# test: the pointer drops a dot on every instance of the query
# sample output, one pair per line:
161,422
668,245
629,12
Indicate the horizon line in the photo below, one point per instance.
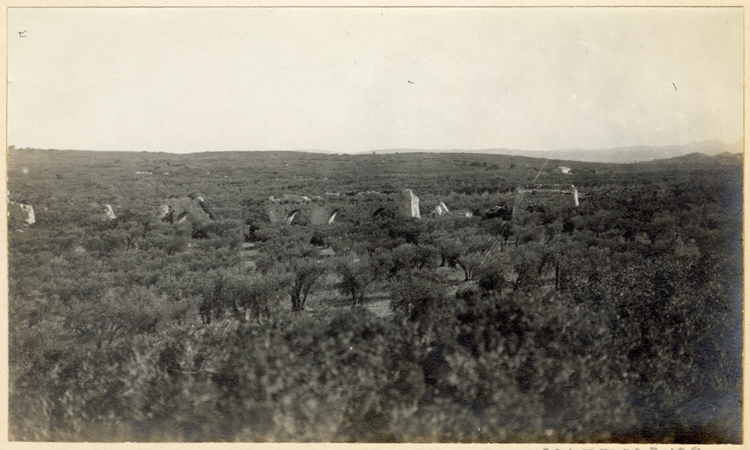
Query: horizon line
740,141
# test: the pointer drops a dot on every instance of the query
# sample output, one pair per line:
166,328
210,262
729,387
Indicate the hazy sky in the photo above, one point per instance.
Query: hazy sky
348,80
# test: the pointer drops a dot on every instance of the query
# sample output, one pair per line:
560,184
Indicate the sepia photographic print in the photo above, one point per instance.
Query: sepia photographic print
375,225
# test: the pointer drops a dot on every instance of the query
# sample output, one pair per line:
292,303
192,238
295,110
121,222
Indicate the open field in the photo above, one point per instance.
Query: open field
619,320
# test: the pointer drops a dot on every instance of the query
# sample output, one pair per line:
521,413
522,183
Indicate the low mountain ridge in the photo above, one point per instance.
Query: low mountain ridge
725,158
622,155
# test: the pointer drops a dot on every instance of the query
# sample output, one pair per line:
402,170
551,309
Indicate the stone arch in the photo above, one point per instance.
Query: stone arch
332,216
291,215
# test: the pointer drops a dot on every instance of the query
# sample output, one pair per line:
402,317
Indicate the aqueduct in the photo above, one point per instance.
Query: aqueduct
369,205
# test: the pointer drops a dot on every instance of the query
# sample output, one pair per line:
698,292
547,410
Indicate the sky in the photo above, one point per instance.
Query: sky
359,79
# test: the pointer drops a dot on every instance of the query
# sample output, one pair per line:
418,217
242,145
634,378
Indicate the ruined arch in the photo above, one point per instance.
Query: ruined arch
291,215
332,216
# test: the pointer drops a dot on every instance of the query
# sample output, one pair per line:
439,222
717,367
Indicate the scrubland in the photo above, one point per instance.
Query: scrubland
616,321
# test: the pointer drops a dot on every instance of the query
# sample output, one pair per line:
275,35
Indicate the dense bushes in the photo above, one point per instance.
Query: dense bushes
617,321
356,378
295,378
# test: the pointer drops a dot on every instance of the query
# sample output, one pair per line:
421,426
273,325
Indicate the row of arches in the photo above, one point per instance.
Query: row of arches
329,217
316,218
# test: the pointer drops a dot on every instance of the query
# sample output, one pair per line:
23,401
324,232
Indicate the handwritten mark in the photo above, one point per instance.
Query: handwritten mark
21,33
410,82
675,86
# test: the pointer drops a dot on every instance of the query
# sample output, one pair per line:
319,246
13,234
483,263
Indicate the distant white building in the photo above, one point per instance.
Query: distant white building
562,169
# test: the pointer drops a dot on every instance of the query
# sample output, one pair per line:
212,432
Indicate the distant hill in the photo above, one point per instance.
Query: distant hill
725,158
695,152
631,154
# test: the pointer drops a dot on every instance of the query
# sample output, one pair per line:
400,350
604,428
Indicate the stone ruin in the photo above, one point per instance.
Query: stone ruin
359,206
109,212
535,197
440,210
177,210
21,212
290,207
102,213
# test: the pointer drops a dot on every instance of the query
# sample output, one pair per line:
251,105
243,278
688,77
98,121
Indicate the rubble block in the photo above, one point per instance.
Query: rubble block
440,210
102,213
109,212
21,212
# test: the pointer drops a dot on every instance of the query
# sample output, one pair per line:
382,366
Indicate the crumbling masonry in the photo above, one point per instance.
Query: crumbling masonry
178,210
535,197
369,205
